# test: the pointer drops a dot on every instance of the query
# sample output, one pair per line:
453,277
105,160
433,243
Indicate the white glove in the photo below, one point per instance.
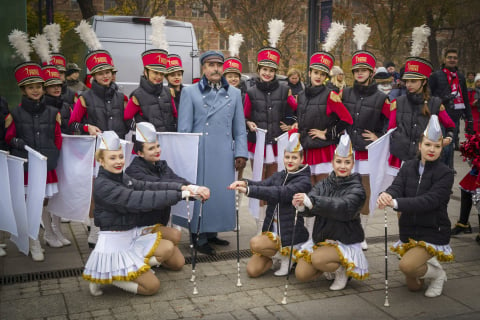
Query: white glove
306,202
186,194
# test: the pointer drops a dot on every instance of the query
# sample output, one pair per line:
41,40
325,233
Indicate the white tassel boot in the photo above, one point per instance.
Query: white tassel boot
309,223
95,289
56,227
364,222
49,236
341,279
276,261
36,250
128,286
261,218
437,277
93,235
284,270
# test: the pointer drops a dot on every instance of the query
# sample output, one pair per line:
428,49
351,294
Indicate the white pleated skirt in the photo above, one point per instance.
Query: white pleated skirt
120,255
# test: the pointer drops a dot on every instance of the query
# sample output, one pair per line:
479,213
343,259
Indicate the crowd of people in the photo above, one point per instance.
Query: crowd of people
313,213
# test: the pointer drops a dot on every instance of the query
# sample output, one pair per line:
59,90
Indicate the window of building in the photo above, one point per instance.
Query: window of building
223,11
197,9
223,43
171,8
109,4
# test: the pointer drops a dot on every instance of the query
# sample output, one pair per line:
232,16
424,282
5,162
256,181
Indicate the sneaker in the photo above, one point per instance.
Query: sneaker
460,227
341,279
36,250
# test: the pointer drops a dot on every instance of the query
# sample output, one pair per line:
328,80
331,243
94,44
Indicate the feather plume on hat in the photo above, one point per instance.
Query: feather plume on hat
419,39
19,41
275,28
361,33
335,31
42,47
158,37
88,36
52,32
234,43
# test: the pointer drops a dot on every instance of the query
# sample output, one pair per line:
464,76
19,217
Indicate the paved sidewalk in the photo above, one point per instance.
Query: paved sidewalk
219,298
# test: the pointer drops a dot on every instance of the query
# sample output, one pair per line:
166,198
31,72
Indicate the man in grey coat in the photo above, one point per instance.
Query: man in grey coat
214,108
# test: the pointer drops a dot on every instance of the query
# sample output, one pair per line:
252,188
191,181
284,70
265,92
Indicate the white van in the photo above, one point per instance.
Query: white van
126,37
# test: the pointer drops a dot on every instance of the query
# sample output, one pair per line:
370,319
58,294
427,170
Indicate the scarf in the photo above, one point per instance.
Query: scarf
455,88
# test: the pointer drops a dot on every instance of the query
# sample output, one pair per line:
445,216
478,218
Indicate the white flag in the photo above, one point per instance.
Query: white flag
17,191
7,216
258,158
282,142
380,179
74,172
180,150
37,182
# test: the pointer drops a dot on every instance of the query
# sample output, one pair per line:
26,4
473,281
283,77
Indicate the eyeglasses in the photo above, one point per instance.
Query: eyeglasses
452,57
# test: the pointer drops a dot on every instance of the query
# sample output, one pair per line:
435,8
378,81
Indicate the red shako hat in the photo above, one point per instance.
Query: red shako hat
416,67
174,63
51,76
233,63
270,56
155,59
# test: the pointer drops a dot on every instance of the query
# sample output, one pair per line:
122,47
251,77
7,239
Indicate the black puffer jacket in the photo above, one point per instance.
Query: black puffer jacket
365,104
64,110
278,191
119,199
336,206
269,104
423,200
159,172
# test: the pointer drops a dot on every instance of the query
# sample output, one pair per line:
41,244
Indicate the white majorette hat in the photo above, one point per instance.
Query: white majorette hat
109,141
156,59
433,132
344,148
145,132
294,144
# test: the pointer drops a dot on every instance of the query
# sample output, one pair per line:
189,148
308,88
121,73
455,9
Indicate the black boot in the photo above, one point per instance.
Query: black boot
465,208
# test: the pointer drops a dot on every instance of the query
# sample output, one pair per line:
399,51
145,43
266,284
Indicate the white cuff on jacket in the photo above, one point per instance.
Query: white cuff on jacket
307,202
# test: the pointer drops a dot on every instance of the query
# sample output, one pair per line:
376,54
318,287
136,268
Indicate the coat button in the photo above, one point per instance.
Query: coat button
206,124
226,97
206,133
111,118
204,105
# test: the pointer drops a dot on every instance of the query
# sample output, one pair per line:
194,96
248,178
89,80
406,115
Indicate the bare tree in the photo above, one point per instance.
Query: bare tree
144,8
87,8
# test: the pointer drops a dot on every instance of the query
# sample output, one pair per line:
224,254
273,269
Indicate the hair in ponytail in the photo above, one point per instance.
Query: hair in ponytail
426,98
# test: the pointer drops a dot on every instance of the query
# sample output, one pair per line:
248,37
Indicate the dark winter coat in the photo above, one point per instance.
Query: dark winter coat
119,199
336,206
440,87
155,101
278,190
312,114
63,108
105,108
269,104
3,114
423,200
411,124
159,172
365,104
68,95
35,124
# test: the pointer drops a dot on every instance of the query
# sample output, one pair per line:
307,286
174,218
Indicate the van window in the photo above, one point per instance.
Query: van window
117,30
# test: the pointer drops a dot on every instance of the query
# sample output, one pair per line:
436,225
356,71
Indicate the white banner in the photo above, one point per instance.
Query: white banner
282,142
7,216
380,179
180,150
37,182
17,191
74,172
258,158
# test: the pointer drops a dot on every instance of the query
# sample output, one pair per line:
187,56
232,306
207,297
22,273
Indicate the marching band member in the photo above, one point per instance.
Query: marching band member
420,193
147,166
277,231
265,105
152,101
34,123
369,109
335,202
124,252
